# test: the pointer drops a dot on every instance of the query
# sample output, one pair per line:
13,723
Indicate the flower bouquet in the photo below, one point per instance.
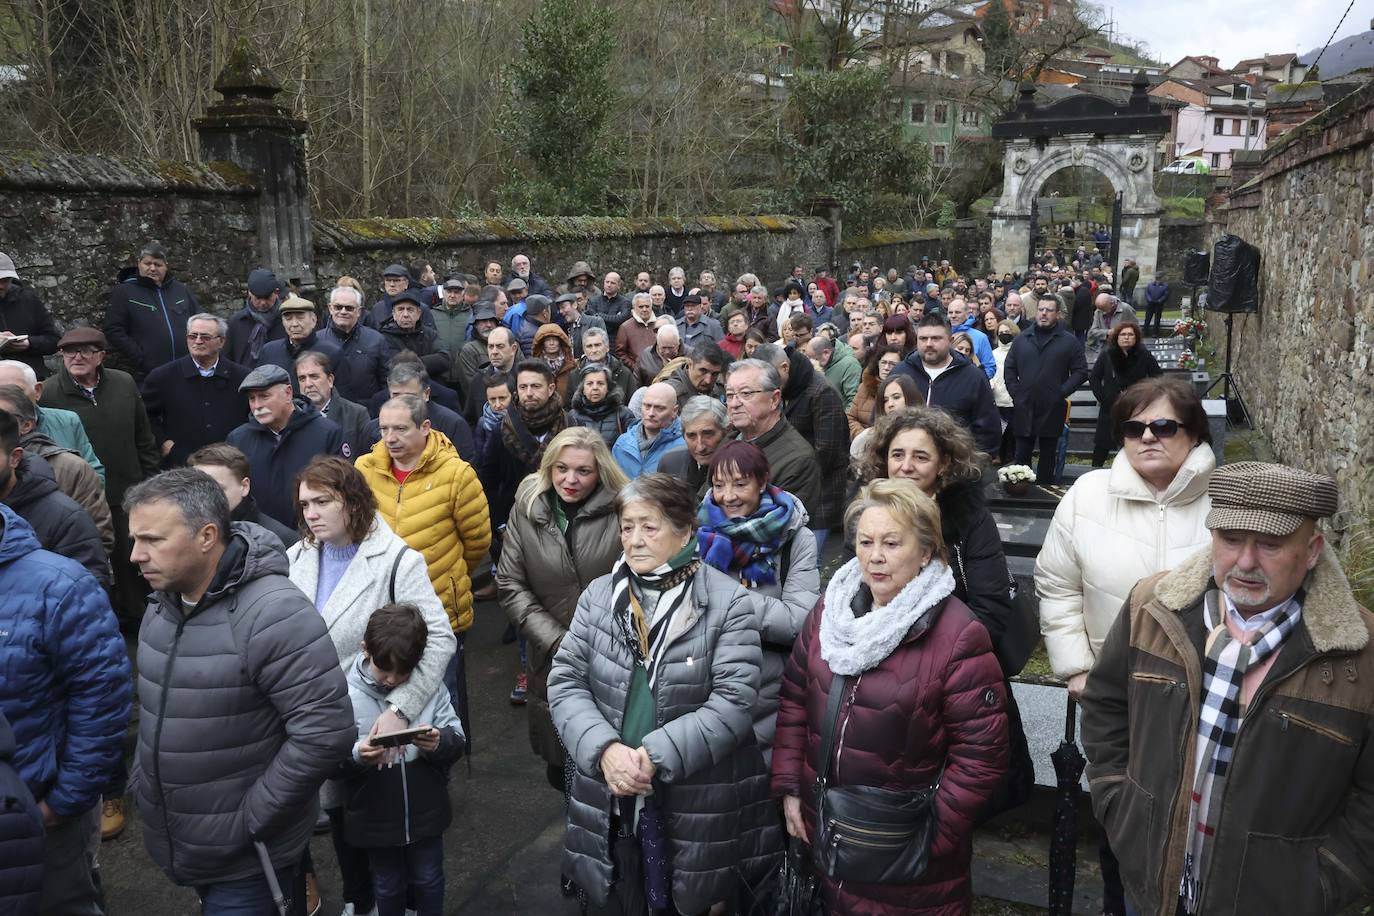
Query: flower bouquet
1189,360
1015,479
1193,328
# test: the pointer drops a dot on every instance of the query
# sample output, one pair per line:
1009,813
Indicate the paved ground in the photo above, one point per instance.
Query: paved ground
501,855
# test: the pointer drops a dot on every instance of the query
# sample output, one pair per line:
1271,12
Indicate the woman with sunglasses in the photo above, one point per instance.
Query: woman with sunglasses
1116,526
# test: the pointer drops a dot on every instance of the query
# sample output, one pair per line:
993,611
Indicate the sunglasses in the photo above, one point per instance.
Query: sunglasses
1162,429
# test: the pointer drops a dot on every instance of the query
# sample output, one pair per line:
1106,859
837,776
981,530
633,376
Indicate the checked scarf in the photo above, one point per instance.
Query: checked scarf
1218,722
750,545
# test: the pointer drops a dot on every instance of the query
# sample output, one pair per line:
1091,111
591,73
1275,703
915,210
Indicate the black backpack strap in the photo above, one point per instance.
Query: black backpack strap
838,683
395,566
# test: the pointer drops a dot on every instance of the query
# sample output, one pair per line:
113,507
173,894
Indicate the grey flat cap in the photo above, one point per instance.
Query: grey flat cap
265,377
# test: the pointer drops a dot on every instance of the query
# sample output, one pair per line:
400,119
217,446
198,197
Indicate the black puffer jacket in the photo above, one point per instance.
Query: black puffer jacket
361,367
245,712
608,418
976,558
60,523
21,835
274,461
22,312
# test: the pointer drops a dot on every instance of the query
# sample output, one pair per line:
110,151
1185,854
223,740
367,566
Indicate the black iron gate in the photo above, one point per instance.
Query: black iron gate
1116,239
1031,260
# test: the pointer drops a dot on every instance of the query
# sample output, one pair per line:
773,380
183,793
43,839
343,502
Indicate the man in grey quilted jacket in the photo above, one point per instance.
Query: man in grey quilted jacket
245,707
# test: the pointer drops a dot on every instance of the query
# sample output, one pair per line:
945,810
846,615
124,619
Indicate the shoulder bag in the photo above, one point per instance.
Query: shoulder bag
866,833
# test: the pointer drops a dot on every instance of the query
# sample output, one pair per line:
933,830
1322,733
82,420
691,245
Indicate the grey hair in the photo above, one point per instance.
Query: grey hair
748,280
221,326
771,353
595,332
634,300
413,404
759,290
30,377
703,406
197,497
824,343
768,373
593,369
404,372
18,399
357,296
668,332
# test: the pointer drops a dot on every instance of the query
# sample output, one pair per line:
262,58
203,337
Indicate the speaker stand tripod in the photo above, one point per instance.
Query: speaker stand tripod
1236,411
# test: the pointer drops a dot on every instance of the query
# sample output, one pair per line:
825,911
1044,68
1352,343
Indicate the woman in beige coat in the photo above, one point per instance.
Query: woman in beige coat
562,534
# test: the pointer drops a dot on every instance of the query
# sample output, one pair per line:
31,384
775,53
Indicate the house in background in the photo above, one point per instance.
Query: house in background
1277,68
1218,116
943,94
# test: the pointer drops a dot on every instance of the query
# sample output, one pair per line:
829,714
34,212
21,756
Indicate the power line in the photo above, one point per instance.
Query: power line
1313,66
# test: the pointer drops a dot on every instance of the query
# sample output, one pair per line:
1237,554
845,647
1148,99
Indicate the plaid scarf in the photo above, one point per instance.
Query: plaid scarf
1219,720
751,545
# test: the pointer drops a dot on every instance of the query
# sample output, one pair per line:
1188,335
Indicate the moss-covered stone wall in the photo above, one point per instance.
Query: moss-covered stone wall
72,222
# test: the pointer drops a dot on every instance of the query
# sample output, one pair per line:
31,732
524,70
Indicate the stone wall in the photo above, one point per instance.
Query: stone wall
1177,235
768,245
1303,362
72,222
967,251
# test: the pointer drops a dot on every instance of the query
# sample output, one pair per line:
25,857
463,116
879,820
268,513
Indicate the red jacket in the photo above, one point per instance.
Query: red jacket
937,699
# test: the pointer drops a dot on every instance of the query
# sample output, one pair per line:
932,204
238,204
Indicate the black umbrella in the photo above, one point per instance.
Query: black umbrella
1068,770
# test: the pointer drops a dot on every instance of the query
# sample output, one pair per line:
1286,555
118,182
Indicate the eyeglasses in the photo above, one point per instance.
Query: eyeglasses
336,307
81,351
1162,429
199,336
746,394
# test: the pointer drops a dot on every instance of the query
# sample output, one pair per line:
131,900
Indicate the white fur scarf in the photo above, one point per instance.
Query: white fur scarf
852,645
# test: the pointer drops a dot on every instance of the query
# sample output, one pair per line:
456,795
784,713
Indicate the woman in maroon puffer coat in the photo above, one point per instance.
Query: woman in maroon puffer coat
926,691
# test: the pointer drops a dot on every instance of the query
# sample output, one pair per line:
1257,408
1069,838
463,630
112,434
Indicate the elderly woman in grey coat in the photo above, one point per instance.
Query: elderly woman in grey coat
652,691
350,563
756,533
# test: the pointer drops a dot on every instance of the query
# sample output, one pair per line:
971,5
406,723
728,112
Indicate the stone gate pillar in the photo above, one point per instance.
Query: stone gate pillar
250,129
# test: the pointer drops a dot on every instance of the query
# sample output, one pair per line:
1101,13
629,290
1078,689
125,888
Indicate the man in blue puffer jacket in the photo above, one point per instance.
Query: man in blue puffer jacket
21,835
65,686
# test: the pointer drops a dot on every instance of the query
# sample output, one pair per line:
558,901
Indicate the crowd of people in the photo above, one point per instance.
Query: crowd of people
290,507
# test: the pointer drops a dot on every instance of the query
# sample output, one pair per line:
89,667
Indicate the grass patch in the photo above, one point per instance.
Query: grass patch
1357,556
1191,207
1038,665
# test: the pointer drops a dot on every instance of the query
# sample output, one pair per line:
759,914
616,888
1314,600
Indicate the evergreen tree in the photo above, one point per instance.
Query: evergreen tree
558,115
998,39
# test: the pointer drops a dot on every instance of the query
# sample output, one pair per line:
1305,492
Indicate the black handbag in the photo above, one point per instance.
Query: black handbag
866,833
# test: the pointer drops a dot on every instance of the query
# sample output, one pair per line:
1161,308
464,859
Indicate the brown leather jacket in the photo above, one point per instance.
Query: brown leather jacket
1297,829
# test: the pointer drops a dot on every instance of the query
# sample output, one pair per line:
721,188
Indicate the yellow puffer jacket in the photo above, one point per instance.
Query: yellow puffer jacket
440,511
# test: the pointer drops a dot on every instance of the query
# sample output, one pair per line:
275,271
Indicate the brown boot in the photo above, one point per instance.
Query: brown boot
111,818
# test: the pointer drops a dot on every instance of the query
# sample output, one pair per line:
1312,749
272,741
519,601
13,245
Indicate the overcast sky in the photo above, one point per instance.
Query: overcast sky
1233,30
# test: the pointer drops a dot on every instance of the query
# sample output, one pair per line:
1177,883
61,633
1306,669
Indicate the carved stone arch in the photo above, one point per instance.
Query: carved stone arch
1119,141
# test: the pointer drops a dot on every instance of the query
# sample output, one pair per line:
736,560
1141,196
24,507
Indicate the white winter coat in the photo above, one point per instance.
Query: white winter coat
1110,531
365,587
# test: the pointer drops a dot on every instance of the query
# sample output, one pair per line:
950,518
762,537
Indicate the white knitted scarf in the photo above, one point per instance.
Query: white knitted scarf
851,645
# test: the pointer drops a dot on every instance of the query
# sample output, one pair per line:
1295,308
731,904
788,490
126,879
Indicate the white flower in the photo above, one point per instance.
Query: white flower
1015,473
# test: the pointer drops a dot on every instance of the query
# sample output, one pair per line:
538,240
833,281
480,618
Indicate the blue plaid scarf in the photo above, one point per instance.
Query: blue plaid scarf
747,547
1223,670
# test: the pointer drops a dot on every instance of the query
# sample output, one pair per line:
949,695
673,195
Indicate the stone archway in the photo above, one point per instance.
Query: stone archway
1116,141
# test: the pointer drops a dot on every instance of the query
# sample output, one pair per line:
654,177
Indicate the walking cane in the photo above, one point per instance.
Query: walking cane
270,874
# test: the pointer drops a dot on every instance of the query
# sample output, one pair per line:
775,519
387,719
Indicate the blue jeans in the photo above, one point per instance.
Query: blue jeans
251,896
419,865
821,534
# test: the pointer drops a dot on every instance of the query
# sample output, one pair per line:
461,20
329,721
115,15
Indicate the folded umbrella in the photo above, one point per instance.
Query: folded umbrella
1068,770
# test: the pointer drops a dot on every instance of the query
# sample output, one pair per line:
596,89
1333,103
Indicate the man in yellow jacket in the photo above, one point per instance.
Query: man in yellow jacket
433,501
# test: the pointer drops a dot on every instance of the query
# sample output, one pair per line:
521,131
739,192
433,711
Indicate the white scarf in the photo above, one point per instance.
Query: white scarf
850,645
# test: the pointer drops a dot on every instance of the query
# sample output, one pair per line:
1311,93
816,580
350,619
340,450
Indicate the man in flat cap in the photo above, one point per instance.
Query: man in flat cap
283,434
115,419
1228,718
258,322
396,279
